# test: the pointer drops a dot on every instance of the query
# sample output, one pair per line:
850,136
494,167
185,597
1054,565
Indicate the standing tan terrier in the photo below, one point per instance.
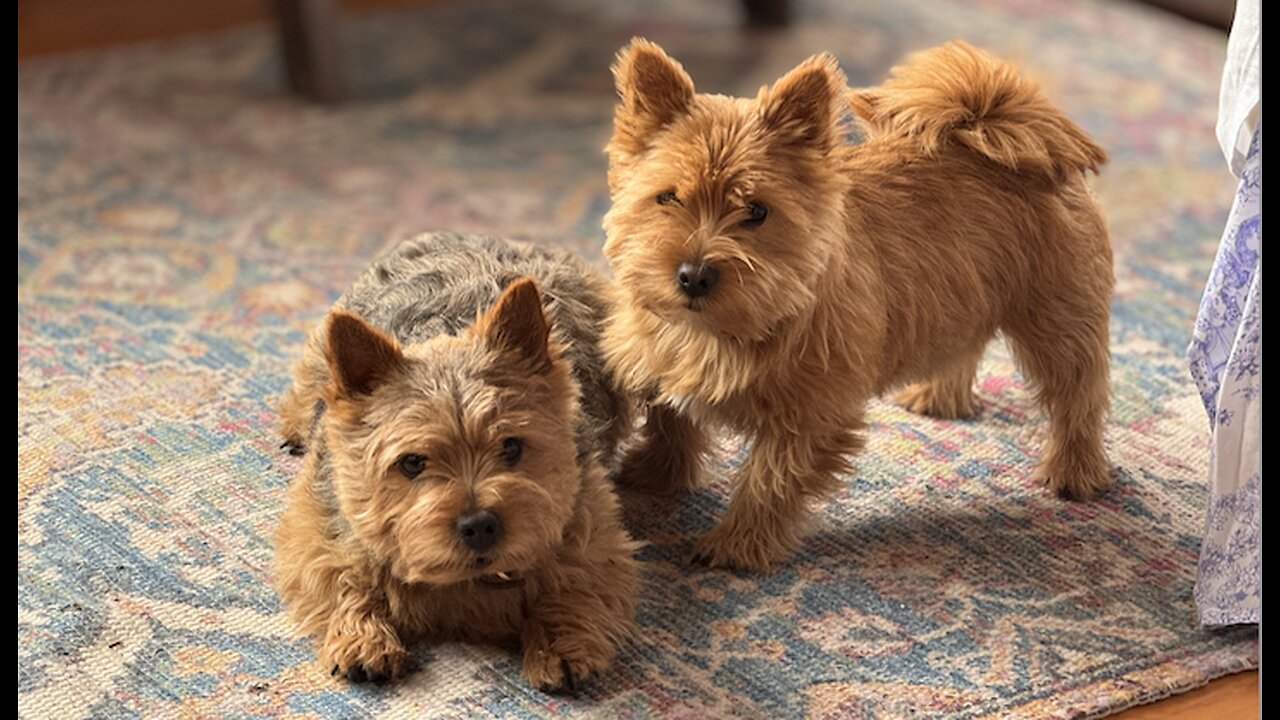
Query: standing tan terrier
774,278
453,485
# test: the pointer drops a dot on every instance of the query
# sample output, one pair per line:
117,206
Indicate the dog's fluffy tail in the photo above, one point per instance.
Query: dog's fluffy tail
958,94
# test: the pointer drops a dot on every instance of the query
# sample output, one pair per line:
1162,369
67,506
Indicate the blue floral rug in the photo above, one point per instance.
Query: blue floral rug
182,223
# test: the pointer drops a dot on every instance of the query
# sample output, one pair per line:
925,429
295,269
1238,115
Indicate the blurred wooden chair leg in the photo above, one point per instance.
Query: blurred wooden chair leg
767,13
312,57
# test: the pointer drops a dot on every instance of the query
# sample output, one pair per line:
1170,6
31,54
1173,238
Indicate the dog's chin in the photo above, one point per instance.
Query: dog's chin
690,313
488,569
452,576
464,570
715,318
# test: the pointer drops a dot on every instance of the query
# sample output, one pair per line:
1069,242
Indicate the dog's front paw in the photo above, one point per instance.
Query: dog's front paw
367,651
552,673
562,662
729,546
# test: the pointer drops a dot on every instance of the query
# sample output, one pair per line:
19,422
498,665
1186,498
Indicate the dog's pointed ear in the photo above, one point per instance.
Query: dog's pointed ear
653,90
516,325
804,106
360,356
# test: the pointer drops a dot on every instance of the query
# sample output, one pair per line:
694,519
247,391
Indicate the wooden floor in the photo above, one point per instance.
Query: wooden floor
1234,697
55,26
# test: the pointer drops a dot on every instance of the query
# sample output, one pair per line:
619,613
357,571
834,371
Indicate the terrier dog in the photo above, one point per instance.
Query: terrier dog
774,277
454,481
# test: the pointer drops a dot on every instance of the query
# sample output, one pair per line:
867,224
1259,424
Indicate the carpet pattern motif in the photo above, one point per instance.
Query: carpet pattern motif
182,223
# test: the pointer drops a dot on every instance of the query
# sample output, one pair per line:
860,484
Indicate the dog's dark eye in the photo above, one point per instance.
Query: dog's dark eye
756,213
666,197
411,466
512,449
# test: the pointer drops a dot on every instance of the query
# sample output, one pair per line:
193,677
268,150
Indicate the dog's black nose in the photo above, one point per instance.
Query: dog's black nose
479,530
696,279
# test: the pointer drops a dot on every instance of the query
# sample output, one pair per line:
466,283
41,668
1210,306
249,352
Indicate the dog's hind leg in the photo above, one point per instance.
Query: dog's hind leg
1061,343
947,395
297,408
666,457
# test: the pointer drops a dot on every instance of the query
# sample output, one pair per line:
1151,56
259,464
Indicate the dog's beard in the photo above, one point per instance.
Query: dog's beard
455,564
733,316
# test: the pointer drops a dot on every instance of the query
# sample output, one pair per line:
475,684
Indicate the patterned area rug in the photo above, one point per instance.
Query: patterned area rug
182,223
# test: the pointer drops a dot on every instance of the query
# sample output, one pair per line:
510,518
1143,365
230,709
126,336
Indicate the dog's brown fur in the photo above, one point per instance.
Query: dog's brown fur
369,558
882,265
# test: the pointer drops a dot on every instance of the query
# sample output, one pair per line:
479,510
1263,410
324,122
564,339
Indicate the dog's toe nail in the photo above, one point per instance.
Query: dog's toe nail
357,674
570,682
334,671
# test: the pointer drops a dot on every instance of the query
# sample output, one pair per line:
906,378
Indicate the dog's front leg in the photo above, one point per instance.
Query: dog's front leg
568,638
361,643
784,470
583,612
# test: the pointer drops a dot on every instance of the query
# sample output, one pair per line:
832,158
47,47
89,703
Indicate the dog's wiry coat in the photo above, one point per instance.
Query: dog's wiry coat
418,412
888,264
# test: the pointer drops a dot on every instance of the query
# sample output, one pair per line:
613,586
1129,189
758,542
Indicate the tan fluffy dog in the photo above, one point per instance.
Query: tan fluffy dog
453,484
774,278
